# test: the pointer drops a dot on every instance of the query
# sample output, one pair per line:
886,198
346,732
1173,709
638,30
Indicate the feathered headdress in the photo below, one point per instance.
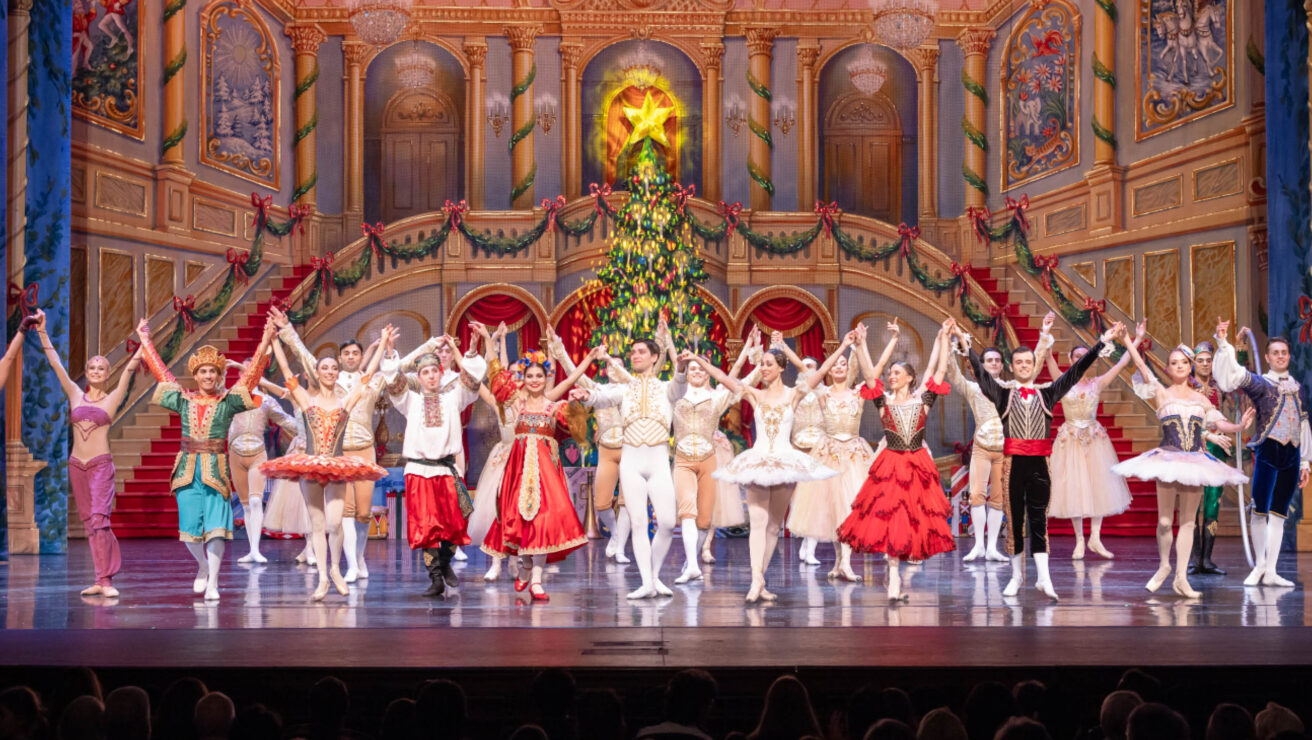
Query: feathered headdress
206,355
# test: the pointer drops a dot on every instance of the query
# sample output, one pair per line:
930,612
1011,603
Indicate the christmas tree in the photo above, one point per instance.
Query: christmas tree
652,268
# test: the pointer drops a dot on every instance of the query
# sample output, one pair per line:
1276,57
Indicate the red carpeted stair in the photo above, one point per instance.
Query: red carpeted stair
1141,519
145,507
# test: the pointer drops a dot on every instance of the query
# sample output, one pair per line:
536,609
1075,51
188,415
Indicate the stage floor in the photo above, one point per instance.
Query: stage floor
158,621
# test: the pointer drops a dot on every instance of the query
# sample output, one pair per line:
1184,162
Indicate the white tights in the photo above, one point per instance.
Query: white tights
766,508
645,476
326,504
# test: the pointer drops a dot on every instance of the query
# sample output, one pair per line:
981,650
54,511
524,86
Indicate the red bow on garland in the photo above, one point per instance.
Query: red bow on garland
25,298
963,450
262,206
186,307
1304,313
907,234
456,211
1147,343
999,314
598,195
374,234
238,261
681,196
299,214
552,207
1046,265
980,219
325,269
1017,207
960,273
828,213
730,213
1096,310
282,304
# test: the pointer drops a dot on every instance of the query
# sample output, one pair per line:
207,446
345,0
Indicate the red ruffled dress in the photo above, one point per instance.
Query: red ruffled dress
535,513
322,461
901,509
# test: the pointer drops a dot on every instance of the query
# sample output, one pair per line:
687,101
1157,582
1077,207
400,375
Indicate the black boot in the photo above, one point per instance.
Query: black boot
1207,567
444,555
1196,556
432,562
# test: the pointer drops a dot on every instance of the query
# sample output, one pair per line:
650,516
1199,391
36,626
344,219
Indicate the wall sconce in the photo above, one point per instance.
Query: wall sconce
498,112
785,114
545,109
735,114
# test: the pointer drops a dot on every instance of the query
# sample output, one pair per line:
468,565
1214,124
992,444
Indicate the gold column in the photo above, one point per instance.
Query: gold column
305,45
175,105
760,50
476,52
523,166
1104,92
355,53
713,58
974,43
808,145
21,470
926,60
571,112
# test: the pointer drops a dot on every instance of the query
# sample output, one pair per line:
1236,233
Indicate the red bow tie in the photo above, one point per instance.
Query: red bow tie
1026,392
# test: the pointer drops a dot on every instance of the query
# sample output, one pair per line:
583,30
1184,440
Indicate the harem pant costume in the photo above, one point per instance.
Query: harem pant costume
92,482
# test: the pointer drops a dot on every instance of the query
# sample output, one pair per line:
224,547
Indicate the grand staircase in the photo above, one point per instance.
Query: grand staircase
150,438
1129,423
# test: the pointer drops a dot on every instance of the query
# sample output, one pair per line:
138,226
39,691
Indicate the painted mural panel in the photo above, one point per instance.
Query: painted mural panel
107,64
1041,94
239,112
1184,62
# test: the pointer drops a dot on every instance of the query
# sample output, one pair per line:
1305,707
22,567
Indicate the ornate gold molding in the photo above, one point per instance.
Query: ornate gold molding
976,41
924,59
713,54
522,37
355,53
571,54
306,38
761,41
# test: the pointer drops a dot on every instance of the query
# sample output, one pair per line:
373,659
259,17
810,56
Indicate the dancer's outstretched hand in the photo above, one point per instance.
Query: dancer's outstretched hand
279,317
579,394
776,340
143,330
894,329
1222,328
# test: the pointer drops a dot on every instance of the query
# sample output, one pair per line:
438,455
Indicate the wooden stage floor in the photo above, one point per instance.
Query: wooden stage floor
956,617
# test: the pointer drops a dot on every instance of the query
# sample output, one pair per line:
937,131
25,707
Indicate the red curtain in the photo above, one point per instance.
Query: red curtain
795,320
494,309
576,325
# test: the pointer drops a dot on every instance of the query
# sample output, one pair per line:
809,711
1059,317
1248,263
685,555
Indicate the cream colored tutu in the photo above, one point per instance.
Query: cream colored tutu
1083,484
485,496
820,506
730,510
285,511
758,467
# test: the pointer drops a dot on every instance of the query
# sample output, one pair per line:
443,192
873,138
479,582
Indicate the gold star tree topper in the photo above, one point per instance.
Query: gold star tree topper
648,121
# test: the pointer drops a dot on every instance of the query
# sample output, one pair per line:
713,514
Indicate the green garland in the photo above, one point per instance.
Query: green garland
173,8
974,87
760,131
1108,7
1102,132
1255,57
306,186
760,88
174,138
523,87
759,178
522,133
974,180
305,84
1101,71
974,134
523,185
174,65
305,130
763,133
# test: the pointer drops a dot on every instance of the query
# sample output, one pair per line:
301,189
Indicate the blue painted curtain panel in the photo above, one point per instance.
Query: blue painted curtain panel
239,105
107,64
1040,85
46,275
1184,64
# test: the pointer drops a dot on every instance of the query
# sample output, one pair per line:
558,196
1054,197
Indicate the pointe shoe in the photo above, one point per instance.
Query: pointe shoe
338,582
109,592
520,585
1045,588
1270,578
494,571
311,561
754,593
1078,553
707,557
95,590
320,592
768,595
643,592
460,555
995,556
610,548
1097,548
538,593
1181,586
975,553
1158,578
352,575
689,574
834,574
300,558
810,559
662,589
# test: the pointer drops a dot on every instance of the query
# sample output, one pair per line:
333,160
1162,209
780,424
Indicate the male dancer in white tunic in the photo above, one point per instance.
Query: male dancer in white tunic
647,403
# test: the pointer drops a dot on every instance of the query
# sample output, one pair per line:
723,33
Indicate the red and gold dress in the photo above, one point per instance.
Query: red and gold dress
535,514
322,461
901,509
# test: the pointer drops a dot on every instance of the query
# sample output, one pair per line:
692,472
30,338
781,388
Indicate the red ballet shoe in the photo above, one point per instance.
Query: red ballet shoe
539,593
520,585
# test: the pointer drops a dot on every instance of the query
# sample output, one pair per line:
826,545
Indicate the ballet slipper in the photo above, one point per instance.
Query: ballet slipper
847,574
493,571
754,593
300,557
1181,586
621,558
835,573
460,555
975,553
1017,576
339,582
646,591
995,556
1078,552
690,573
320,591
1097,548
1159,578
198,585
662,589
109,592
95,590
1044,581
768,595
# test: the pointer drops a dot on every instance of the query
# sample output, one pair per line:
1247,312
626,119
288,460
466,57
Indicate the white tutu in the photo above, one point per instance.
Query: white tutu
730,510
1184,468
819,507
485,496
757,467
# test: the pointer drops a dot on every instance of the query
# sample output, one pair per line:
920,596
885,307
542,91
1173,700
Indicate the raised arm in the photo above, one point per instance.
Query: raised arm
1132,352
941,355
1106,378
811,380
358,391
874,372
298,394
292,342
1063,384
52,356
777,342
1226,370
124,380
558,391
988,385
152,359
728,381
1042,353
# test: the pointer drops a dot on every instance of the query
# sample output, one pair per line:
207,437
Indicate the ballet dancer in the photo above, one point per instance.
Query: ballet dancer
647,406
200,475
820,506
772,467
1210,510
536,520
436,500
1026,413
808,427
1082,457
607,496
323,470
91,465
1181,466
494,466
985,473
246,452
900,510
1282,449
696,419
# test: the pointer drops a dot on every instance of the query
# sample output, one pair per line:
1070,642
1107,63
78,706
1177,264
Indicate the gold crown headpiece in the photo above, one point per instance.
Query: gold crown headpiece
206,355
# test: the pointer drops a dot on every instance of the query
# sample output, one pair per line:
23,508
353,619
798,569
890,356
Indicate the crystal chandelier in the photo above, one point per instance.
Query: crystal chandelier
415,69
378,22
867,73
903,24
641,68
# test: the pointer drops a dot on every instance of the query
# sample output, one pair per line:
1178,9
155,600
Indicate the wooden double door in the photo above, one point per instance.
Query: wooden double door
863,157
422,154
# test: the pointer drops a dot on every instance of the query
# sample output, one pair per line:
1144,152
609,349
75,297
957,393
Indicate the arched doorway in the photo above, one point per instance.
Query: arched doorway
420,166
863,156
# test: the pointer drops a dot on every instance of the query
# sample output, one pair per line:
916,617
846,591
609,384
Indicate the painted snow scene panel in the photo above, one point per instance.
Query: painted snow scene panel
240,74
